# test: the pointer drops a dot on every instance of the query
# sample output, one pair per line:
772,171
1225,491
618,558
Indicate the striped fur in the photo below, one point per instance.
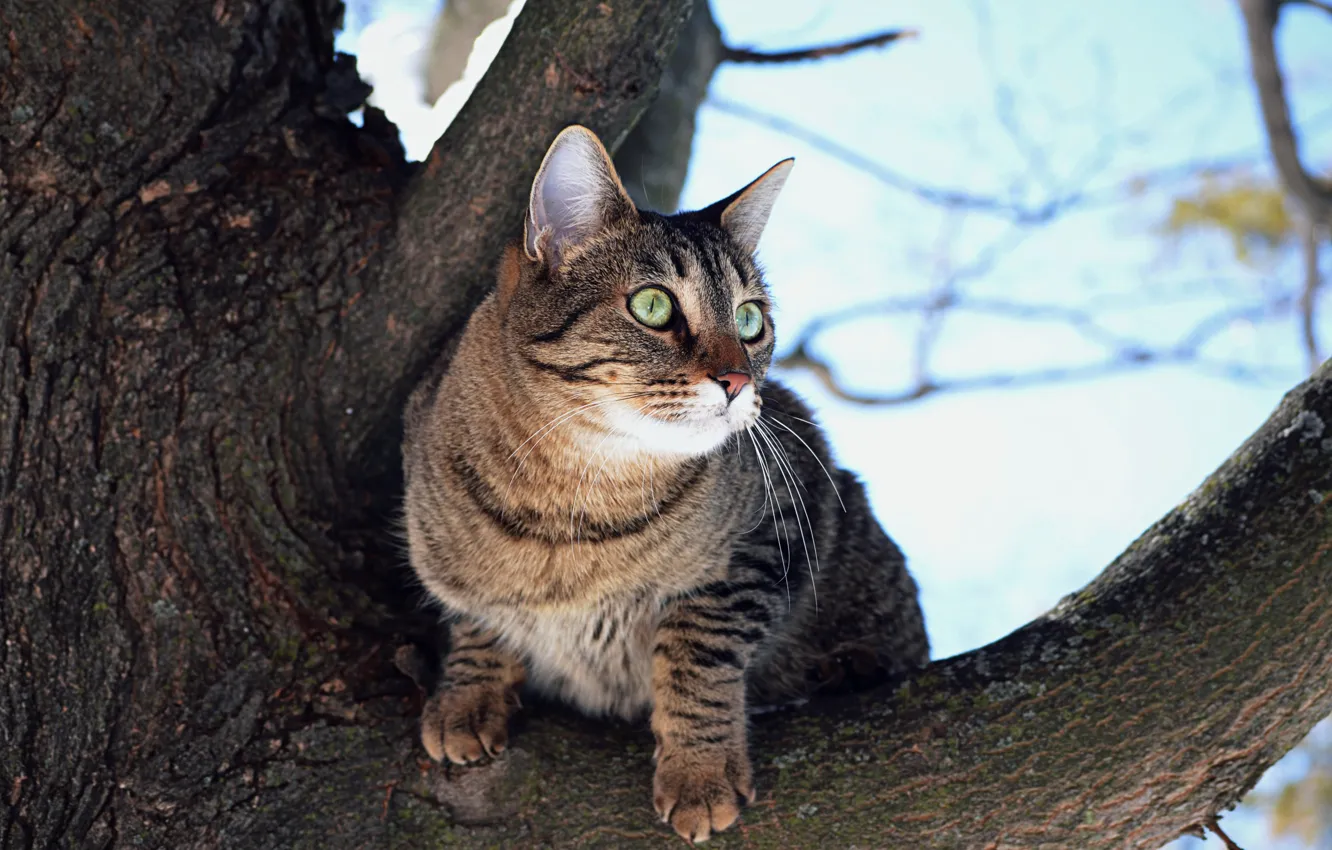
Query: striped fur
605,523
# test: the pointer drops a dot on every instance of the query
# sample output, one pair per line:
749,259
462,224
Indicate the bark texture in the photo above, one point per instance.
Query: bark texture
214,295
213,290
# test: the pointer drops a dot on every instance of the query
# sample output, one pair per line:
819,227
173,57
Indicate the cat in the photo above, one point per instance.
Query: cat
616,506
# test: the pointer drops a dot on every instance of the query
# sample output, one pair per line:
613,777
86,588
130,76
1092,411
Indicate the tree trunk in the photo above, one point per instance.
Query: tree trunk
215,294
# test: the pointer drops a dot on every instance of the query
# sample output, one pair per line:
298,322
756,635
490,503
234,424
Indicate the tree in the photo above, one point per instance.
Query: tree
215,294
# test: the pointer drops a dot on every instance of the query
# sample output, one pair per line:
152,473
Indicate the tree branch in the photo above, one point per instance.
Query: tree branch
1220,833
1313,197
747,56
939,196
1317,4
1134,711
1309,294
924,386
1124,354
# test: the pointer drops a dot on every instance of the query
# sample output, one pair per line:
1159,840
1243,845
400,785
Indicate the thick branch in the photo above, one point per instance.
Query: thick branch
746,56
1314,198
1136,710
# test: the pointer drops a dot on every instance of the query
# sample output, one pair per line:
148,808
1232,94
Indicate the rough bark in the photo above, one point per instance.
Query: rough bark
198,333
214,294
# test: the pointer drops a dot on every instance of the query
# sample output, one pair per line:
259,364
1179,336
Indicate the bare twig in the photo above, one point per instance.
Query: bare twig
1313,197
1123,354
1217,831
950,198
1309,294
823,372
1002,208
747,56
1005,100
1317,4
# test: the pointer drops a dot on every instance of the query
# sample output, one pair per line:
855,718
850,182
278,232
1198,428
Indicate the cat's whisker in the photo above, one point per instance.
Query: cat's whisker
793,486
763,508
812,454
652,486
591,487
554,425
775,409
770,494
574,503
779,451
569,414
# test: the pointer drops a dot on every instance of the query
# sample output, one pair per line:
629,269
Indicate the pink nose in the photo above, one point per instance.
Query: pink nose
732,383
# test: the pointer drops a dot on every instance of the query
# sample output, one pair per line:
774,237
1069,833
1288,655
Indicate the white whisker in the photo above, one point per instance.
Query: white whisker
793,487
550,428
573,505
813,455
770,494
605,459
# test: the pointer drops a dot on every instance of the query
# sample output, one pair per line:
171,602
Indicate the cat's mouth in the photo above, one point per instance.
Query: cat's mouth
691,426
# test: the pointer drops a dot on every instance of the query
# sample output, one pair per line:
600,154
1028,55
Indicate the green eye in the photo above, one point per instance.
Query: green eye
749,320
652,307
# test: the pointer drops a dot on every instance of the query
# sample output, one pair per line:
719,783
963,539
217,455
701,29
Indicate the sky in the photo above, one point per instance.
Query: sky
1003,500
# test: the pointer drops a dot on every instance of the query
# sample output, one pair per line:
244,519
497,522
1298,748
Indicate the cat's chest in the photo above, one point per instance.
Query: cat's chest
599,658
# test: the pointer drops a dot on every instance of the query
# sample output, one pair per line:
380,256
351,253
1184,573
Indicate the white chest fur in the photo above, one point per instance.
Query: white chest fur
598,659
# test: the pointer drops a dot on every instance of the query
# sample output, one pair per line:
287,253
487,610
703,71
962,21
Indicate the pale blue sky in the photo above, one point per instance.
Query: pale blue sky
1003,500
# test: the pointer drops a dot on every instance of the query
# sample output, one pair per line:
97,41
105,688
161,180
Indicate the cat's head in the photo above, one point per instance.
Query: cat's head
660,325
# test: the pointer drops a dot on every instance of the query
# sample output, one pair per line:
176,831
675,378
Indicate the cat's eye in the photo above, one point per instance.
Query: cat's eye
652,307
749,321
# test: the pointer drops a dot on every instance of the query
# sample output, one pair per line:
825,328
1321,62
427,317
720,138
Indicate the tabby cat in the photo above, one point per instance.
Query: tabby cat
616,506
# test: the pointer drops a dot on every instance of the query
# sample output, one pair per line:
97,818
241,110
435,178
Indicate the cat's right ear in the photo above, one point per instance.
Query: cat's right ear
576,194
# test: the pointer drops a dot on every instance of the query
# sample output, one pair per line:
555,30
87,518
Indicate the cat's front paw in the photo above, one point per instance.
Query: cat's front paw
465,722
698,790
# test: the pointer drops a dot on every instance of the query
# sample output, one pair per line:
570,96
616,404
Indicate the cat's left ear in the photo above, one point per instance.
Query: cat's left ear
575,196
745,214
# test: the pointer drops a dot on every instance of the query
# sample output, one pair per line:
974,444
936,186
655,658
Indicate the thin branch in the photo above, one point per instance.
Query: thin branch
950,198
802,359
746,56
988,205
1131,361
1313,197
1219,833
1317,4
1309,294
1005,100
1123,354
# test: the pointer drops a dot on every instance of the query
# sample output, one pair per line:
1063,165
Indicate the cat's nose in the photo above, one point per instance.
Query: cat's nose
732,383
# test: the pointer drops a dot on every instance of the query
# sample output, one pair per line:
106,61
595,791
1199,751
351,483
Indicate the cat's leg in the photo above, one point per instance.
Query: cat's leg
468,716
698,715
